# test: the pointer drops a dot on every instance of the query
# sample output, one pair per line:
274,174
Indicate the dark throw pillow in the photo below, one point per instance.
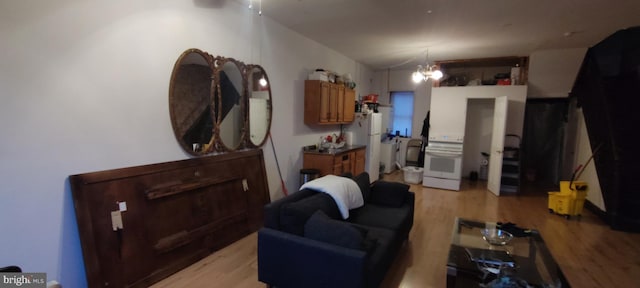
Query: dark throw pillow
389,193
294,215
363,182
322,228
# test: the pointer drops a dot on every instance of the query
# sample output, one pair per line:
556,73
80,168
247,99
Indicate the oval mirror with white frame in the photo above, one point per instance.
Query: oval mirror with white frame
190,105
259,93
230,104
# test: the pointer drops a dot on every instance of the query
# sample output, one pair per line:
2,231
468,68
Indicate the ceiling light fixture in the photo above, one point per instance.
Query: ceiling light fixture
263,81
259,8
424,73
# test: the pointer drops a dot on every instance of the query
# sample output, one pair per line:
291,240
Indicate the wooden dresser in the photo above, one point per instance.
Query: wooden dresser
346,159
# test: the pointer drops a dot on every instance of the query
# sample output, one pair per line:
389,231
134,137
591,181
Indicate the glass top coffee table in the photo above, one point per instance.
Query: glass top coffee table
523,260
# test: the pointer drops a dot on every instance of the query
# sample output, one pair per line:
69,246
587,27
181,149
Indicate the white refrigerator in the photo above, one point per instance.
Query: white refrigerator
387,117
365,130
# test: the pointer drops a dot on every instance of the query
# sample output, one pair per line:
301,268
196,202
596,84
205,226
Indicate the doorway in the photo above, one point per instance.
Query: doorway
477,136
543,142
496,134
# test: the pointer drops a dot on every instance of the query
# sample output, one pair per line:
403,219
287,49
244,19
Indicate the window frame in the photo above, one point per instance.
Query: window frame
401,109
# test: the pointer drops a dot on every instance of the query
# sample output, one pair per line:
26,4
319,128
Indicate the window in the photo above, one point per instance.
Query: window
402,112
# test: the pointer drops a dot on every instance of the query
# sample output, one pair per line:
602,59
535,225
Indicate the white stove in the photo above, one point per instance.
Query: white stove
443,162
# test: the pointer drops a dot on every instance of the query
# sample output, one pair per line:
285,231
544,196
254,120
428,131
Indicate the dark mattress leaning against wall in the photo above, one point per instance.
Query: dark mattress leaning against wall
607,88
140,224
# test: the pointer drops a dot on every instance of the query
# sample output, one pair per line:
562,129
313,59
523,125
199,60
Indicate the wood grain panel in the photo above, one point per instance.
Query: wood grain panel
177,213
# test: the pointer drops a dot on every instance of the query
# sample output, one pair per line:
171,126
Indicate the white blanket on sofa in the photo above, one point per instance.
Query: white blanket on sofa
343,190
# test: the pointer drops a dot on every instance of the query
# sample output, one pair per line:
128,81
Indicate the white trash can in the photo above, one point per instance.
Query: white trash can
412,174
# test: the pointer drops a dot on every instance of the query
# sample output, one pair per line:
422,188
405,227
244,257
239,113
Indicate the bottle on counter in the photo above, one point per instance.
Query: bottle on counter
515,75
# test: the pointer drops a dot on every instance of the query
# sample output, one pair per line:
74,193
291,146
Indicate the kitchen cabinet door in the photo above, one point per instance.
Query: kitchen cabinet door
346,162
325,103
337,166
317,102
359,161
349,105
333,103
322,162
328,103
340,104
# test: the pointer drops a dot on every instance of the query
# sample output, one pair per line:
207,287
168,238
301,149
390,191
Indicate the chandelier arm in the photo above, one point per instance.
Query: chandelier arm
426,72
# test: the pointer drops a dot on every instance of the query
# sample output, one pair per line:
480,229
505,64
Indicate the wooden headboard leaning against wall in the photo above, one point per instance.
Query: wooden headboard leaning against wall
139,225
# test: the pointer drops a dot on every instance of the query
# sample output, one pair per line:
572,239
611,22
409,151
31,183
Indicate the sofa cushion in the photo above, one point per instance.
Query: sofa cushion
363,182
294,215
397,219
380,258
369,243
389,193
272,210
322,228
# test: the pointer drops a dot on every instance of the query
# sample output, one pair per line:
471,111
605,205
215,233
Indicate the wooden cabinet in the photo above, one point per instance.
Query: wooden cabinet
322,95
349,105
341,163
348,160
328,103
340,103
359,160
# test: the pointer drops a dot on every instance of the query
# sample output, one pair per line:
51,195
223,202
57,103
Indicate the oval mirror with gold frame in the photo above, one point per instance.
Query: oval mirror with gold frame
229,98
218,104
190,103
260,109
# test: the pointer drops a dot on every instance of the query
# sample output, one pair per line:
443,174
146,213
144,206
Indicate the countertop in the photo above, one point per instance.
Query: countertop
337,151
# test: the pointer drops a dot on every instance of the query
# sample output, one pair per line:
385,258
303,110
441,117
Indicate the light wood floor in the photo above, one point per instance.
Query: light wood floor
589,253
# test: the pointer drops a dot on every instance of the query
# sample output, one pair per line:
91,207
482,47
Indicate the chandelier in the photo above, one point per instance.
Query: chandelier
424,73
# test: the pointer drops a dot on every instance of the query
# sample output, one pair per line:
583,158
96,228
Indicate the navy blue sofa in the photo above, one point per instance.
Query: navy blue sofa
306,243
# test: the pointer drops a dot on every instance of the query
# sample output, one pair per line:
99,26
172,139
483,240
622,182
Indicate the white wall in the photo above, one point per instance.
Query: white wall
478,131
453,100
84,87
583,152
387,81
552,72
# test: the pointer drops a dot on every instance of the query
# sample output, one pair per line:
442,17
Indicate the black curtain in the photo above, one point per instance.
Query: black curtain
425,138
608,90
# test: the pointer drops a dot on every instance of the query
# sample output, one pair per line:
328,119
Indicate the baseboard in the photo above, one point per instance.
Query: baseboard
596,210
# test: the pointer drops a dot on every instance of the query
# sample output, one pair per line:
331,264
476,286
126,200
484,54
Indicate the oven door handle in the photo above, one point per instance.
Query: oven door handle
445,154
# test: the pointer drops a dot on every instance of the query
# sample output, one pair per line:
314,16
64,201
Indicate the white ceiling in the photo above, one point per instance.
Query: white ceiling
386,34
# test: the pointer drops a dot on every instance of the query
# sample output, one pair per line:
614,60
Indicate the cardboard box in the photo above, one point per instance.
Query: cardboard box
319,75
